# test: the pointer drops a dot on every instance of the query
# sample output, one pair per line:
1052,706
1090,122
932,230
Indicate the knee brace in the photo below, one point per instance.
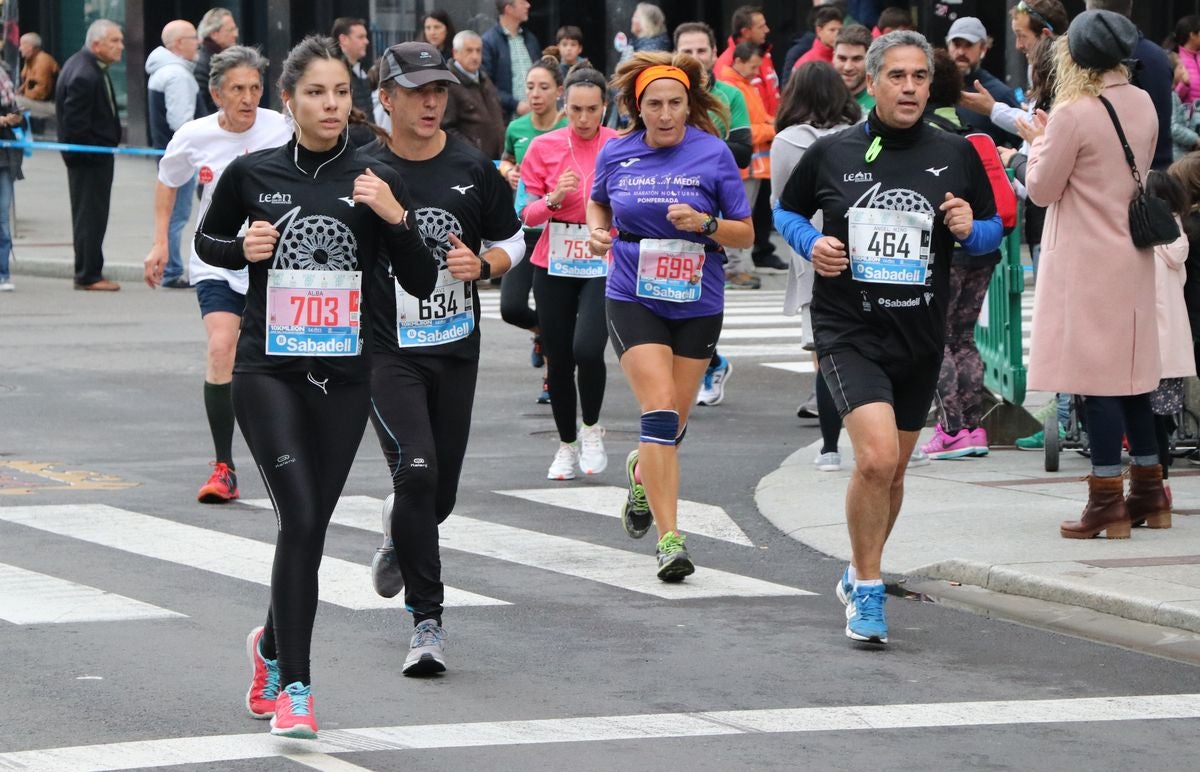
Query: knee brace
660,427
682,434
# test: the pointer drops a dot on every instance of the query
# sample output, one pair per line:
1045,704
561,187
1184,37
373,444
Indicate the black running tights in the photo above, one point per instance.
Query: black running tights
827,415
303,433
421,410
571,316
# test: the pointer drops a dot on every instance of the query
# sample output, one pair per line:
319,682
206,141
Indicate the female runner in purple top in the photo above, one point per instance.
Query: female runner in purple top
673,194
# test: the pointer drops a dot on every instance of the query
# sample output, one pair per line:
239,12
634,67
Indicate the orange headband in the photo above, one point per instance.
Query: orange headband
655,72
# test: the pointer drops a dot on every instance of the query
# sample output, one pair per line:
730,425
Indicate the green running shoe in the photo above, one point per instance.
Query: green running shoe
674,563
1037,440
635,515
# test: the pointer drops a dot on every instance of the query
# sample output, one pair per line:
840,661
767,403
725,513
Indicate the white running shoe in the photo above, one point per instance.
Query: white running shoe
592,458
828,462
712,388
563,466
918,458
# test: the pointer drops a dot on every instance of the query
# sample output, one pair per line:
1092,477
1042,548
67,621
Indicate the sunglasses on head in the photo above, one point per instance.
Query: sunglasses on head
1023,7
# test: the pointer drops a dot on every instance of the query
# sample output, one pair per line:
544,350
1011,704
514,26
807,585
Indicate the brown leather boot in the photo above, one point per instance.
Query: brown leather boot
1105,511
1147,502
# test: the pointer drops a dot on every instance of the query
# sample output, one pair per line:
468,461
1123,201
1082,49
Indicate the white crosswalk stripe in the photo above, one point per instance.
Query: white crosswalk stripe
30,597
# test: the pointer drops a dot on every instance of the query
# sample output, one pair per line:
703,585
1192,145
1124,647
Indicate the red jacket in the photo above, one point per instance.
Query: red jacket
767,81
818,53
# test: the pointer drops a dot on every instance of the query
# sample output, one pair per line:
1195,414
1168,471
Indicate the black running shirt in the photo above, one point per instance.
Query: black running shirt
321,228
882,314
457,191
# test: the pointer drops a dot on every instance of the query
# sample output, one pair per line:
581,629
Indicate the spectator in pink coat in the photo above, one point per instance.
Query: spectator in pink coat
1095,329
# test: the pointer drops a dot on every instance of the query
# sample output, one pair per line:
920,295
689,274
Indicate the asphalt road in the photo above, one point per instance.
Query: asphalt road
558,661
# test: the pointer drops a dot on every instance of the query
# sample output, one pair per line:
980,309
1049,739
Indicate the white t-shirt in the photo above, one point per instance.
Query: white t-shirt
203,147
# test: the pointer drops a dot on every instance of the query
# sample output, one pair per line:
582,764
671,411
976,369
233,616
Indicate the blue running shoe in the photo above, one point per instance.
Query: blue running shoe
712,389
844,587
864,615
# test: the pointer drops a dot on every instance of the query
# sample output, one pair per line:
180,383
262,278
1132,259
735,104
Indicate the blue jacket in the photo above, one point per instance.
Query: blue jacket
1154,76
497,63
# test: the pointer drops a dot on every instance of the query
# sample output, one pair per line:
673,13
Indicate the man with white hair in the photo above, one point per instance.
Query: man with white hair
174,99
473,111
217,31
86,111
36,92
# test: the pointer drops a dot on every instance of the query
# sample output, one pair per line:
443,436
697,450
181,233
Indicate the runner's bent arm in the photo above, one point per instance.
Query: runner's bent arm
599,222
987,231
216,241
535,174
412,264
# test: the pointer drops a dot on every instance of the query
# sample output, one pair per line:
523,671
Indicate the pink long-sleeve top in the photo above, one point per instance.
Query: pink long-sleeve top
548,156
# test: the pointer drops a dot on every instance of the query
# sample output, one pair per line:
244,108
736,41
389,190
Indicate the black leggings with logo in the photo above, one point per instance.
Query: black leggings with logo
303,431
421,410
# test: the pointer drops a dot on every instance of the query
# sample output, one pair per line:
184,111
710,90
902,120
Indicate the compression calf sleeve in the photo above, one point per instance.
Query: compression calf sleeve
218,404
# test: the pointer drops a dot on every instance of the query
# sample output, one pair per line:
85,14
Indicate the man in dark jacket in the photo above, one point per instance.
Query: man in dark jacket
967,42
509,50
351,36
217,31
86,110
1153,74
473,110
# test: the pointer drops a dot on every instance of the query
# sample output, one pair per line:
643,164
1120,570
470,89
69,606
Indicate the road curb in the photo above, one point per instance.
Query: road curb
63,269
1015,581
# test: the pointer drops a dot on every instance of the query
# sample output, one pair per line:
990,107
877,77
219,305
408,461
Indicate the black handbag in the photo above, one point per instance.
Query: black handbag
1151,221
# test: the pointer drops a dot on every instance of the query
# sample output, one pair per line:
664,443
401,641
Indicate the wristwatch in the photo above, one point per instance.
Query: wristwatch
485,270
710,225
552,207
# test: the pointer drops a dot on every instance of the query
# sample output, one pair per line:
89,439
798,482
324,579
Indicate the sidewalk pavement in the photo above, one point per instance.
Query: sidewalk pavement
993,522
42,243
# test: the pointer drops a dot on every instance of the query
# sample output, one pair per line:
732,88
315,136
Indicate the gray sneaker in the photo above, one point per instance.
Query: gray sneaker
385,568
427,650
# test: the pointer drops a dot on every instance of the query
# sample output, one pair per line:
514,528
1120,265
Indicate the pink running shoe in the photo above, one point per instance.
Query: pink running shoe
979,442
944,446
264,679
294,713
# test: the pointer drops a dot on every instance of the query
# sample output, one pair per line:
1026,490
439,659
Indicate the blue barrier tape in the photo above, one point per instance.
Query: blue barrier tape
29,147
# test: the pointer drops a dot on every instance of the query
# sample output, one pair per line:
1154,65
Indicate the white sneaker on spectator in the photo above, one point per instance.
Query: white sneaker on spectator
828,462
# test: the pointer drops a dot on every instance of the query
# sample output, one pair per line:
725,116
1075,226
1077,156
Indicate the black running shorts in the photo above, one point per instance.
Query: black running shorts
907,385
632,324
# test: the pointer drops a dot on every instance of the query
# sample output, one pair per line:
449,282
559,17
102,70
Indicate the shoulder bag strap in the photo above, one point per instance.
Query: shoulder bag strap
1137,177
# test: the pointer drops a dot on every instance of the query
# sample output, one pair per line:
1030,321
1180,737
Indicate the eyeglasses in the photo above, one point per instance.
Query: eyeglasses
1023,7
